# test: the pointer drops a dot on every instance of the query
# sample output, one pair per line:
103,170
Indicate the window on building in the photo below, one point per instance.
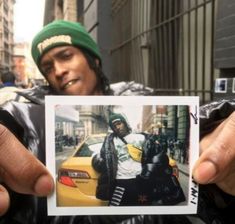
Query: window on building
6,7
6,35
7,58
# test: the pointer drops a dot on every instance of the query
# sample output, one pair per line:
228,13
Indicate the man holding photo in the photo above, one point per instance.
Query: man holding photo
70,61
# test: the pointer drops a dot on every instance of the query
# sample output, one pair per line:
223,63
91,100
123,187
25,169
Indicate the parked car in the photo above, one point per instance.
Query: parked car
77,180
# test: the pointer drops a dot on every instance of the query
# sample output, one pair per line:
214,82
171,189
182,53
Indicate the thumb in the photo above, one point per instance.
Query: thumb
217,153
20,169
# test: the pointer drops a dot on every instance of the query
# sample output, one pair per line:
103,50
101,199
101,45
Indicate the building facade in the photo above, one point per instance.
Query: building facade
172,121
96,17
167,45
176,47
74,123
26,71
6,34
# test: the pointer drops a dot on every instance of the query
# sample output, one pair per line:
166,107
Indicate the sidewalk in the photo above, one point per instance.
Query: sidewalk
183,168
67,150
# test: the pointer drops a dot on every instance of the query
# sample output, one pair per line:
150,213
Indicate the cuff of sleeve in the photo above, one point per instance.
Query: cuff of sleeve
212,114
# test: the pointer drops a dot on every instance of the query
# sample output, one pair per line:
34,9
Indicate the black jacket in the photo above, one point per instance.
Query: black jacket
214,205
156,172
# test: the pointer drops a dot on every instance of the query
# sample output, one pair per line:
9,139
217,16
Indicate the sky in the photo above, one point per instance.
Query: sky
28,19
133,115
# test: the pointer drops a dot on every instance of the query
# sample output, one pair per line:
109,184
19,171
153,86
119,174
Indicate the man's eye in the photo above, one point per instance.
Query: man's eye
66,55
46,70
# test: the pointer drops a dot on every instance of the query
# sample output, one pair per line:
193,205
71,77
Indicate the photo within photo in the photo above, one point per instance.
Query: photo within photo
220,85
109,153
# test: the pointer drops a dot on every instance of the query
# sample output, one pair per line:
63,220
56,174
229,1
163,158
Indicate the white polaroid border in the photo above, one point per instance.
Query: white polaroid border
233,86
190,207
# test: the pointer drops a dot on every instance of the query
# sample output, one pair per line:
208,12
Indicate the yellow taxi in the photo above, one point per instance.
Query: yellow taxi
77,180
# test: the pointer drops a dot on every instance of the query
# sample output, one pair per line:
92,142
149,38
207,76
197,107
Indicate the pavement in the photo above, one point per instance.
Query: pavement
183,168
66,149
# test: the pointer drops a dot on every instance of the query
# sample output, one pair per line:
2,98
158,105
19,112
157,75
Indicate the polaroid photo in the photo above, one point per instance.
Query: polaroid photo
122,155
221,85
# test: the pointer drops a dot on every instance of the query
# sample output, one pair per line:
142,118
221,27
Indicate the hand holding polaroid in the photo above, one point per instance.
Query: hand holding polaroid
108,153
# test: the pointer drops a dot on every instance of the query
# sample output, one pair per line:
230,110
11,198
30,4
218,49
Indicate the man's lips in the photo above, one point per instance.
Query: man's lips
70,83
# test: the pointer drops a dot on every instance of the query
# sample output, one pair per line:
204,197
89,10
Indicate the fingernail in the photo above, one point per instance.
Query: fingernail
2,189
5,201
44,185
206,172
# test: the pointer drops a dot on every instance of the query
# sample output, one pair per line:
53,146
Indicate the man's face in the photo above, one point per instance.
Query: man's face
67,71
120,128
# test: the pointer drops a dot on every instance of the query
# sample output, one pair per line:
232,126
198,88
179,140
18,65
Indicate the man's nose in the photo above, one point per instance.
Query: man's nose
118,126
60,69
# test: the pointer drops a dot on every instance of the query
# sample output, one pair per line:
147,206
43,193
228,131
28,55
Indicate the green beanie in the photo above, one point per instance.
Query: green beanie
60,33
117,117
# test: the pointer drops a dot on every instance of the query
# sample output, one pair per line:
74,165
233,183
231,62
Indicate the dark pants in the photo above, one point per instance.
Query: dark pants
127,192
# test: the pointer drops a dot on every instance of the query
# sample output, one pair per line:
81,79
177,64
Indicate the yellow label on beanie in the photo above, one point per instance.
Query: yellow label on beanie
53,40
